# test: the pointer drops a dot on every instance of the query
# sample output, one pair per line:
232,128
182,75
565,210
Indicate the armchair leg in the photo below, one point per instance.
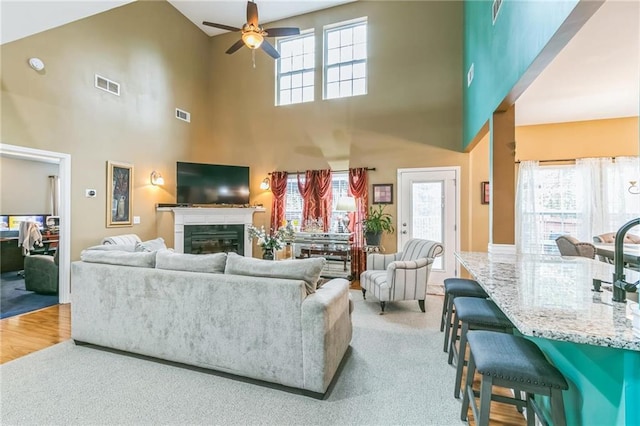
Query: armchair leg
364,294
421,304
382,304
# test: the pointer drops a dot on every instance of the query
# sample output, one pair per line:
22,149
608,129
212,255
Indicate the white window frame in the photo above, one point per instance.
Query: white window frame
325,52
279,74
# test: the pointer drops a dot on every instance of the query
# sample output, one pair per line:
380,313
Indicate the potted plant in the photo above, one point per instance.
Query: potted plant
376,222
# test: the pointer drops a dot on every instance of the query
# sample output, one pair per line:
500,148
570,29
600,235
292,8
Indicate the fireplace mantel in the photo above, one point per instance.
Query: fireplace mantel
185,216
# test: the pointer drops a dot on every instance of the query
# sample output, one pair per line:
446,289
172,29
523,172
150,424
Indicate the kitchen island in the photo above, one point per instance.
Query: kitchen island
586,335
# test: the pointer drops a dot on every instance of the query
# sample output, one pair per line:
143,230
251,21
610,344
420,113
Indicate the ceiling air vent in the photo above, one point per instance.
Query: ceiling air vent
495,9
107,85
183,115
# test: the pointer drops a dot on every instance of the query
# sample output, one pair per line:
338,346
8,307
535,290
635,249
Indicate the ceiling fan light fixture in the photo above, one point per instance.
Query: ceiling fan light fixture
252,39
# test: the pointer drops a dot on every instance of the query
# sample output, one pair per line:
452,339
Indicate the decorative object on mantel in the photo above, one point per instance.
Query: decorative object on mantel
268,242
119,194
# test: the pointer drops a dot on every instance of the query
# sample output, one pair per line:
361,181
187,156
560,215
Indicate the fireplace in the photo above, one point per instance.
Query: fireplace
209,230
204,239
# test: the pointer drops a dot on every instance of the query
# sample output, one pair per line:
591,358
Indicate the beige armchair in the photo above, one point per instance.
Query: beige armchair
571,246
402,275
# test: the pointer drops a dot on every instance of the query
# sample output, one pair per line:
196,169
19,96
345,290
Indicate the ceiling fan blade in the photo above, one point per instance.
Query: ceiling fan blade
252,13
237,45
271,51
220,26
281,32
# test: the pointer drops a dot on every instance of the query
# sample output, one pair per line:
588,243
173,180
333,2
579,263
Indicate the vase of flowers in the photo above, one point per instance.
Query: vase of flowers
268,242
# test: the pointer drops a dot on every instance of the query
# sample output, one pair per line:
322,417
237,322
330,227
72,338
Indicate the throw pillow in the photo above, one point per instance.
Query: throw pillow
210,263
151,245
118,257
307,270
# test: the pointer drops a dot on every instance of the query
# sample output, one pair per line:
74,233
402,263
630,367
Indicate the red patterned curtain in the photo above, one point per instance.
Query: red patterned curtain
316,196
306,189
324,196
359,189
279,190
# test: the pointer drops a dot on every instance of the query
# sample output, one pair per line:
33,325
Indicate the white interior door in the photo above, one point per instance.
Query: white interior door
428,209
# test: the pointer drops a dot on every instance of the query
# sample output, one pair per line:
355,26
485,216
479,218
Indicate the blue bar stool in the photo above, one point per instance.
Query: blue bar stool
454,287
473,313
511,362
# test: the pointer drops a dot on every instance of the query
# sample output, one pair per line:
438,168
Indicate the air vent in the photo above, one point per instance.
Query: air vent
495,9
107,85
183,115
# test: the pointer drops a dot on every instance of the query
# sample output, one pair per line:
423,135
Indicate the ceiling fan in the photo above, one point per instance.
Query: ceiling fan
253,34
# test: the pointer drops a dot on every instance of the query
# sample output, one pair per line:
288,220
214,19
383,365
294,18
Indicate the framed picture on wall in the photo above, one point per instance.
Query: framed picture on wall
484,192
119,194
383,193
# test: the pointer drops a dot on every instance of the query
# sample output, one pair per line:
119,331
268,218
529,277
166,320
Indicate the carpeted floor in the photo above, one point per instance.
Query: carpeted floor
396,374
15,299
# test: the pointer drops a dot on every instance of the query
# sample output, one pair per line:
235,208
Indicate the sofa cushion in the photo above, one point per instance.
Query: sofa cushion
307,270
211,263
151,245
119,257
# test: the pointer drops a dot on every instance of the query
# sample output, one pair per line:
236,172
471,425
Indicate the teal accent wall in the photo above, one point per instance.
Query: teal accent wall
604,383
501,53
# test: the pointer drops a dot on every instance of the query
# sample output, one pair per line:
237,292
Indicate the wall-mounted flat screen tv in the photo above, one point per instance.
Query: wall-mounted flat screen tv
212,184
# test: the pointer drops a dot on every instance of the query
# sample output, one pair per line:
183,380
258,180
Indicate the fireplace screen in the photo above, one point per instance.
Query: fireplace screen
203,239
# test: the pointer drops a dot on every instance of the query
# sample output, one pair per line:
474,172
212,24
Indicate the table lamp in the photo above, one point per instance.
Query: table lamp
345,204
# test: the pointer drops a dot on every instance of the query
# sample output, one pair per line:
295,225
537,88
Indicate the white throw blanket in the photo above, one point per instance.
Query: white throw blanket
29,236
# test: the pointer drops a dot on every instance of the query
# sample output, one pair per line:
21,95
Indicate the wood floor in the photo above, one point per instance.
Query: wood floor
31,332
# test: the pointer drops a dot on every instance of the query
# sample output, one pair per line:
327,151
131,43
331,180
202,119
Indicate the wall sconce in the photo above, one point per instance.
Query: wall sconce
156,178
633,187
265,185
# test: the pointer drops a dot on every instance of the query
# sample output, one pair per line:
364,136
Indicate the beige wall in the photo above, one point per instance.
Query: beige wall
579,139
25,186
411,116
161,61
478,212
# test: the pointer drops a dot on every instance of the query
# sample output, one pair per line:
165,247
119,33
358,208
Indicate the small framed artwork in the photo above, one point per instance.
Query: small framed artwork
484,192
119,194
383,193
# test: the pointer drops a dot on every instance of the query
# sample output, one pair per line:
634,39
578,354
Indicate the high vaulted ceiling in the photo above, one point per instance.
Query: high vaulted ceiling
595,76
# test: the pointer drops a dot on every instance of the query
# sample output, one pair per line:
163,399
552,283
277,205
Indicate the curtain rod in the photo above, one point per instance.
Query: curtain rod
549,161
373,169
563,159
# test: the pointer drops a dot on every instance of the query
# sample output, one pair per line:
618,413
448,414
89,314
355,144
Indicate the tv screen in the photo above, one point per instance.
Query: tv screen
212,184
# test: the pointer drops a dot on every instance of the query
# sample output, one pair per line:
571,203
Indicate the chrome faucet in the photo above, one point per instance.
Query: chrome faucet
620,286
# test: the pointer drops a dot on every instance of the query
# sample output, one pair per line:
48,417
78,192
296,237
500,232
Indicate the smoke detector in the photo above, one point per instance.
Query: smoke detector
36,64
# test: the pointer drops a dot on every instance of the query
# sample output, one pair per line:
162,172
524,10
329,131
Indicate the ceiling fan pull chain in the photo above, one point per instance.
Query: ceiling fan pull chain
253,57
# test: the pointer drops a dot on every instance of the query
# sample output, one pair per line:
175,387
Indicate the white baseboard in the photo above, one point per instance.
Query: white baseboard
502,248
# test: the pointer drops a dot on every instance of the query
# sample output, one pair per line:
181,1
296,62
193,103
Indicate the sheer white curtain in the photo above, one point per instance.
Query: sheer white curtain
590,196
584,200
529,230
619,205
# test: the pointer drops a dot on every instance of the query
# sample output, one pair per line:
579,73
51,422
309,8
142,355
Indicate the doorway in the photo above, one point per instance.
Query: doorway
428,200
64,162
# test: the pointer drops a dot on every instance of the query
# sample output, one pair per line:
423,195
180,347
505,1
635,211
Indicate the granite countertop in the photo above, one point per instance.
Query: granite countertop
551,297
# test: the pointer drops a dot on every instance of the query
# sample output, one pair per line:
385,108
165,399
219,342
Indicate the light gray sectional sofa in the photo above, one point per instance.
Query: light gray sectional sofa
250,317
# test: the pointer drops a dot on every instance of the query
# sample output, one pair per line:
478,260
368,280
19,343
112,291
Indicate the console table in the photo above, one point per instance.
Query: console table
333,246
